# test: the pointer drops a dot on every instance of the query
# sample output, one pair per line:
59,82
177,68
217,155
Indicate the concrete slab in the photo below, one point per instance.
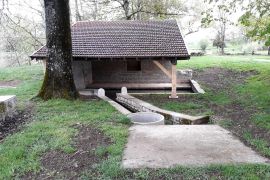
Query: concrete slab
196,87
7,106
163,146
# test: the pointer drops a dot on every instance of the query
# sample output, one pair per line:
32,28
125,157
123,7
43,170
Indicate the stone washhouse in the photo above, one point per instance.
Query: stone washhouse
139,55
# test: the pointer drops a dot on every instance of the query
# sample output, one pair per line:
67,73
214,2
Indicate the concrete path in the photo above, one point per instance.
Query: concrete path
163,146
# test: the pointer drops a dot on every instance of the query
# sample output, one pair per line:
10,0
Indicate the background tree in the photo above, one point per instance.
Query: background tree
92,9
256,21
58,81
219,14
255,18
21,34
219,43
203,45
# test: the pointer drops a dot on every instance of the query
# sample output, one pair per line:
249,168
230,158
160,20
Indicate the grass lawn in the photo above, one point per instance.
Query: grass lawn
54,124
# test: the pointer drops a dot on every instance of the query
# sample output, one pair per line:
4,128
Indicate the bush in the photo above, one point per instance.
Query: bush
203,44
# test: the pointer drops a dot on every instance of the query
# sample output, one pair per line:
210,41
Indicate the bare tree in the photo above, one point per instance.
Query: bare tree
23,33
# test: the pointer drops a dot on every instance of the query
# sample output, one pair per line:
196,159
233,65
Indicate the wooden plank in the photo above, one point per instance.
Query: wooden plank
163,69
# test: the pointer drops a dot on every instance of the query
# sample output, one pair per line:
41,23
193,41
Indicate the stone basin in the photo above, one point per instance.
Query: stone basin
146,118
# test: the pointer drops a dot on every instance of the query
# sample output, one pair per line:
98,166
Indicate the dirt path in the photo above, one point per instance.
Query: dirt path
9,84
13,124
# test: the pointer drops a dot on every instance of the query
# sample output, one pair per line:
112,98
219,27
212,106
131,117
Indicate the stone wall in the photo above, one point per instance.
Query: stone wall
116,72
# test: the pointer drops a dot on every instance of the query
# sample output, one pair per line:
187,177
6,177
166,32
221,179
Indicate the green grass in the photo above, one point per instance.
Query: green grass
52,129
254,94
30,77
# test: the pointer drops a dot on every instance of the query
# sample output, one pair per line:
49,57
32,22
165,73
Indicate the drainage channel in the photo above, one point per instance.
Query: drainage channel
136,105
128,105
112,94
137,117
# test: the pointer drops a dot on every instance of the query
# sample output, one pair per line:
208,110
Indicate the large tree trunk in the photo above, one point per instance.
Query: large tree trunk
268,50
58,81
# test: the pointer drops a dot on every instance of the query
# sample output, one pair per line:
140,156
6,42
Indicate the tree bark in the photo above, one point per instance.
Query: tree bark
268,50
58,81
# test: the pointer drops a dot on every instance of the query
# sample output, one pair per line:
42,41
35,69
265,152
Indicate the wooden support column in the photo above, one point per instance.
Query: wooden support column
174,80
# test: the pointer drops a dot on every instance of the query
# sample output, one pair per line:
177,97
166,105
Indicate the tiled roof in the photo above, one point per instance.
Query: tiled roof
114,39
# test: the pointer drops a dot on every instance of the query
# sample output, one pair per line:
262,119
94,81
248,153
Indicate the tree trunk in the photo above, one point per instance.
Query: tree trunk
58,81
268,50
96,10
78,16
139,6
126,9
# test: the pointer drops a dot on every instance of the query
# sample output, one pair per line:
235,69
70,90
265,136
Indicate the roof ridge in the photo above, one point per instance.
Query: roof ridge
105,21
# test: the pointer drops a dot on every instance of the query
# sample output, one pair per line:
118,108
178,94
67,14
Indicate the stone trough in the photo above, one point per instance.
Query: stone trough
7,106
126,104
138,105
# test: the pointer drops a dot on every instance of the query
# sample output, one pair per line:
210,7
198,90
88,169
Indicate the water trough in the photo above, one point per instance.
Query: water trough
142,112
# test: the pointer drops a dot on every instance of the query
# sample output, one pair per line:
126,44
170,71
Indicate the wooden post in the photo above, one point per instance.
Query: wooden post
174,80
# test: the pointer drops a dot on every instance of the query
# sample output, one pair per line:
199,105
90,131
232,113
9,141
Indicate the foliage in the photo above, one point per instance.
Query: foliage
218,42
255,18
257,27
203,44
